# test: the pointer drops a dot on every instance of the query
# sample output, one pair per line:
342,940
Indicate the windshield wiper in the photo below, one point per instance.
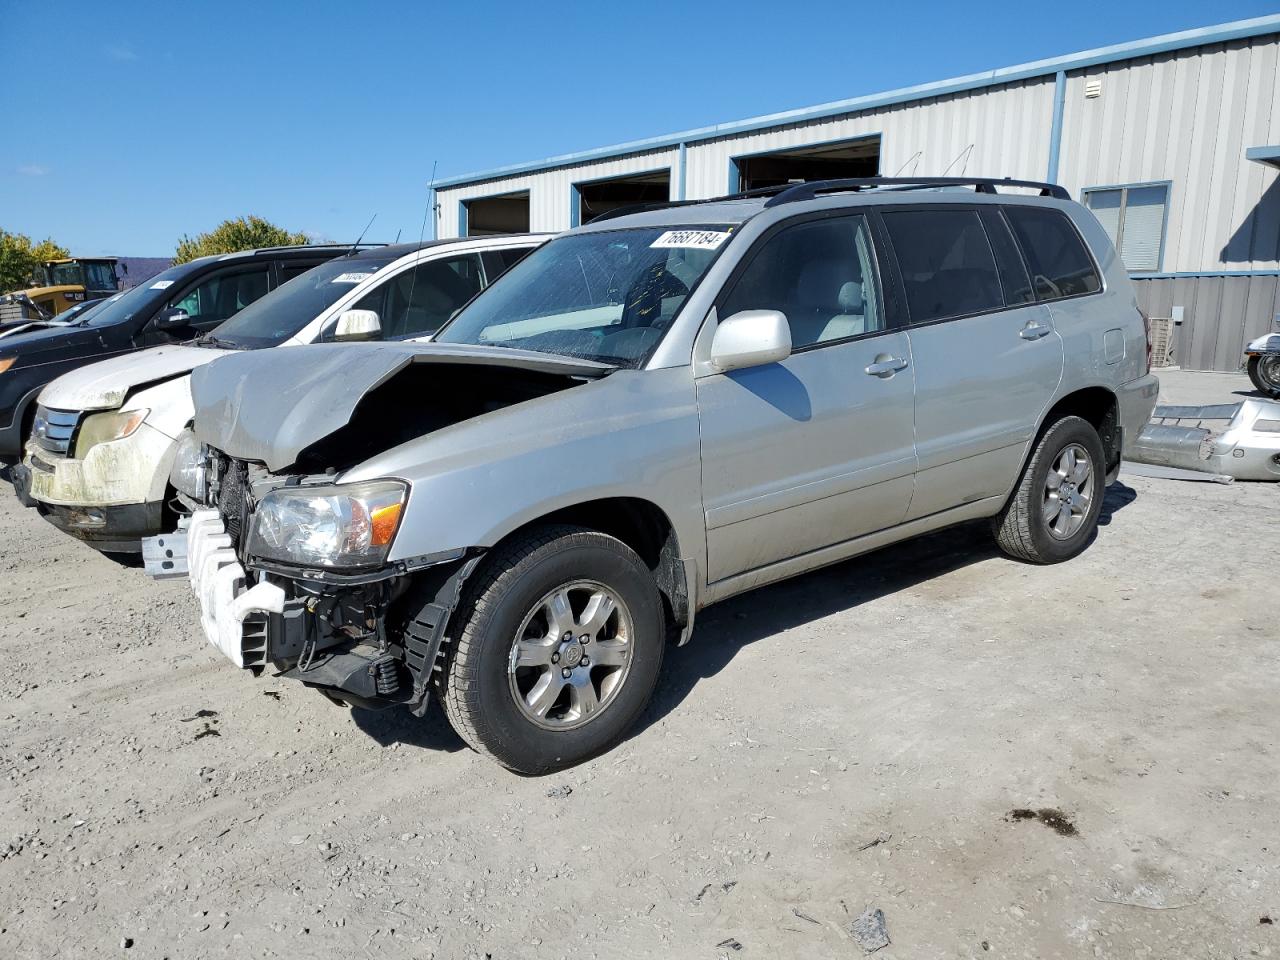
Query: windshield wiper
209,340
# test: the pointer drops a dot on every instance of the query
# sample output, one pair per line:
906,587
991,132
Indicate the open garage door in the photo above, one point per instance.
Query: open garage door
485,216
600,196
826,161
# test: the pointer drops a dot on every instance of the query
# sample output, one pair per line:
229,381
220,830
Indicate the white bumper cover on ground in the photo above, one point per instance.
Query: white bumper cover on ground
218,579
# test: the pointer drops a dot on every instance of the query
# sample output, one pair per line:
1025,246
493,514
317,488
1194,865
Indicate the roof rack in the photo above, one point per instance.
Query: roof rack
794,192
310,246
668,204
808,191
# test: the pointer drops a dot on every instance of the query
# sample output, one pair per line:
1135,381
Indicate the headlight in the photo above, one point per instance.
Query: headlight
6,363
105,427
190,473
331,526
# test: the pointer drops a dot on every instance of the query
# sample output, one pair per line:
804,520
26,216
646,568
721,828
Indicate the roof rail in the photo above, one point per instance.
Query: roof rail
311,246
810,190
667,204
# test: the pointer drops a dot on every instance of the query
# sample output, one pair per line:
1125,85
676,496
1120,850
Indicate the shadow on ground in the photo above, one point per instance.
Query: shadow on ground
727,627
398,725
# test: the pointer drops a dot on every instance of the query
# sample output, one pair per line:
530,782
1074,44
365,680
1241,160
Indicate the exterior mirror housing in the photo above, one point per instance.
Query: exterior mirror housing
751,338
358,325
172,318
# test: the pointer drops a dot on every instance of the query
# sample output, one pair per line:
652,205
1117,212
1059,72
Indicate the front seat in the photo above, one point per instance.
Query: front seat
852,318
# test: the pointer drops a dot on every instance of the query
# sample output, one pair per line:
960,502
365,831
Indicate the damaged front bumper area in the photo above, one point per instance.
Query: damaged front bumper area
1232,441
371,640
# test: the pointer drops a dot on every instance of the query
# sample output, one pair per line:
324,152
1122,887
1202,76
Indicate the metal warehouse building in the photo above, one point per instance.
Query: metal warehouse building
1173,142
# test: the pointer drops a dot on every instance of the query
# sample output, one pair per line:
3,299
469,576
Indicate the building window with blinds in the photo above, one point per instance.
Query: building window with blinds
1134,218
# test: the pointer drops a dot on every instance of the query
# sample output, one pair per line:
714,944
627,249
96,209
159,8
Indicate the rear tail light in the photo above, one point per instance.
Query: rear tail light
1146,326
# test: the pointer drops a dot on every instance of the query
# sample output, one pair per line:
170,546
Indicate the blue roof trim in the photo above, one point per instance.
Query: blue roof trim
1203,36
1268,155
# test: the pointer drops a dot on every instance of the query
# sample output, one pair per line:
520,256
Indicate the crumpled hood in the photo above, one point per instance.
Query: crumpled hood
105,385
270,405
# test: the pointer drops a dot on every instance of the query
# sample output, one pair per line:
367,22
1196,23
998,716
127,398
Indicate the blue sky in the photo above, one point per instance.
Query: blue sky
157,120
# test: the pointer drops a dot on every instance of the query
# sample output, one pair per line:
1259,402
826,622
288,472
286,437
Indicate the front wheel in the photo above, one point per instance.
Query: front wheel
558,650
1053,513
1264,371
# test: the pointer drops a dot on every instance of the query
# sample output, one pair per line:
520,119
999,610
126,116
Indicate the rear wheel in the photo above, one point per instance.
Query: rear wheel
1053,513
1265,374
558,652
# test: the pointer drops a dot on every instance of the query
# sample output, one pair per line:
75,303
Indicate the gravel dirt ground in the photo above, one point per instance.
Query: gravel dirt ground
1007,760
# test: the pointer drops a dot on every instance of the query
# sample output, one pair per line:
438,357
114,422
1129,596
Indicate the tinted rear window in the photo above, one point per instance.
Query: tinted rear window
1059,263
948,269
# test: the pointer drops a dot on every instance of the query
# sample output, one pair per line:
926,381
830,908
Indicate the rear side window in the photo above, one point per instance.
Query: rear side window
947,265
1059,263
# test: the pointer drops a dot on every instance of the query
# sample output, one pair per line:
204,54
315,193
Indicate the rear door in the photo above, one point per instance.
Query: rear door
987,359
818,449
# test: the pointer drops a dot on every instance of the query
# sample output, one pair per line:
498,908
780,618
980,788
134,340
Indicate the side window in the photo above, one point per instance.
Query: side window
947,265
292,268
820,274
1013,272
416,302
1059,263
222,295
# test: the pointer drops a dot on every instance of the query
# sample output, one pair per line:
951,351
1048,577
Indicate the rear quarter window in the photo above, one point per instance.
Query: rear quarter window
1059,262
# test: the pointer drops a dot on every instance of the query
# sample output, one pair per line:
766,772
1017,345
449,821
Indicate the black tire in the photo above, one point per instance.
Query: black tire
476,688
1261,381
1021,528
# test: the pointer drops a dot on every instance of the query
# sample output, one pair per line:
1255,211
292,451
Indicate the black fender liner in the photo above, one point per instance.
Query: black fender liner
429,606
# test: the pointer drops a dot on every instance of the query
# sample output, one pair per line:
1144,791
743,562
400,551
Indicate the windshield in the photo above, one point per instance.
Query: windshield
279,315
66,274
123,306
606,296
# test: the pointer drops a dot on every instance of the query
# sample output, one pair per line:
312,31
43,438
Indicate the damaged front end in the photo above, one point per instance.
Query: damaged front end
290,554
366,633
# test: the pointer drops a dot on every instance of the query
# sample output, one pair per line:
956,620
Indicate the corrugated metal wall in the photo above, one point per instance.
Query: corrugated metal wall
1220,315
1008,128
1187,117
549,193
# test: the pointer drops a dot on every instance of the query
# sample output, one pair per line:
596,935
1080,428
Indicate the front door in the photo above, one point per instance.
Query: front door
819,448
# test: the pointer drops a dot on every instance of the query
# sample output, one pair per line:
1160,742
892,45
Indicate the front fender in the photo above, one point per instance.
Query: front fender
633,434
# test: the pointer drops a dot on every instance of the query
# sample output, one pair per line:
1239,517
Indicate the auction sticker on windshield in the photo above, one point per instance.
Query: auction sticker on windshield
690,239
351,277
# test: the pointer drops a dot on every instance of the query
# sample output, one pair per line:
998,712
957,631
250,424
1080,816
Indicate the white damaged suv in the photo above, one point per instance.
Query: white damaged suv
106,435
645,416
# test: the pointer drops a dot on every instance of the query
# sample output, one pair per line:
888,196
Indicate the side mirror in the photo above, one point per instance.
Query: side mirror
751,338
172,318
358,325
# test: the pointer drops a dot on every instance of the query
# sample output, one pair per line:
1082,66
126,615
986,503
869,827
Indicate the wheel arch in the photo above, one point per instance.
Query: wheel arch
1096,404
647,529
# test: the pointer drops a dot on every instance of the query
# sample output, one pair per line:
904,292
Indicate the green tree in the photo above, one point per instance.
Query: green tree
19,257
243,233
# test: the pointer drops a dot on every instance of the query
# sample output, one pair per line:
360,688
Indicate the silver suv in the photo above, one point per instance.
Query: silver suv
647,415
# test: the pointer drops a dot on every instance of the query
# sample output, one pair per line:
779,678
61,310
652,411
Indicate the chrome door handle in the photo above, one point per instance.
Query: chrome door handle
886,366
1034,330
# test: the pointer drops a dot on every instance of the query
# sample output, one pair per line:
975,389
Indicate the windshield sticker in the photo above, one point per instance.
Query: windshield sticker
351,277
690,240
162,285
